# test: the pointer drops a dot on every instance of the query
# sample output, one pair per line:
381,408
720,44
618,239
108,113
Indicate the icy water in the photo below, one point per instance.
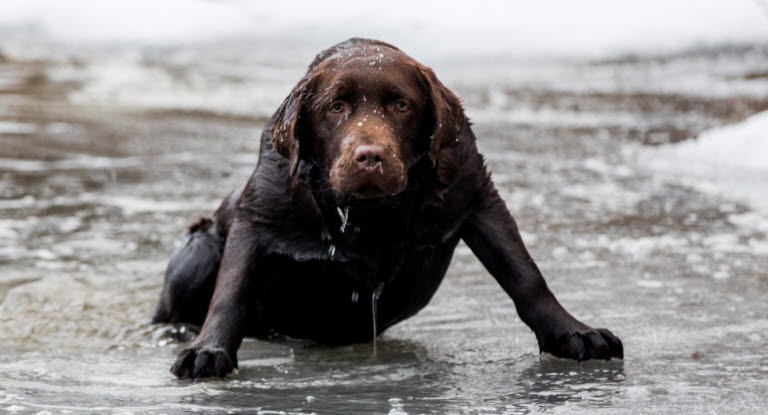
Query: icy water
105,159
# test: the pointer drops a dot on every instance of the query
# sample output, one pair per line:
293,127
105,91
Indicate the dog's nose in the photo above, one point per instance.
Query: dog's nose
369,157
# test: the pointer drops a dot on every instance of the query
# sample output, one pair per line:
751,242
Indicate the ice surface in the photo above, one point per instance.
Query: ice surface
123,122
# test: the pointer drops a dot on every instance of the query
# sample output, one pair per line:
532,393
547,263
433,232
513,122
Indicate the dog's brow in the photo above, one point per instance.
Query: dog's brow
336,90
395,91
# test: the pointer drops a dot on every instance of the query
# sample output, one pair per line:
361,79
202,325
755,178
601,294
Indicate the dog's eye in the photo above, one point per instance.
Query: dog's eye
336,107
401,106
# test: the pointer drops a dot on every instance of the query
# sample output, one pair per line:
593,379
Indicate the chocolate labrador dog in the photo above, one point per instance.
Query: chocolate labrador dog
368,177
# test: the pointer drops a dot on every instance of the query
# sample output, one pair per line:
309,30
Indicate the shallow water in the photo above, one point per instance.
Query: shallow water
101,175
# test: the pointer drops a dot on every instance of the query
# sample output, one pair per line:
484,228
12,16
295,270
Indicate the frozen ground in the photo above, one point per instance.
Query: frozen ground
113,139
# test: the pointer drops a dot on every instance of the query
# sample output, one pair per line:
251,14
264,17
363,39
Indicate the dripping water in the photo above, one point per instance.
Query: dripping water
344,215
374,300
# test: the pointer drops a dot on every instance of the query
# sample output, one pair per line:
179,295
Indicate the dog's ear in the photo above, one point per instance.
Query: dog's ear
285,129
446,110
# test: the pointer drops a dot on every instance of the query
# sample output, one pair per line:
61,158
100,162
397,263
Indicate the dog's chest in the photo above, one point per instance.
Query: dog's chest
375,244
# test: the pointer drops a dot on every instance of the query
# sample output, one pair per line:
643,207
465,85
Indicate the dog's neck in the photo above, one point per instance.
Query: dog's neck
378,229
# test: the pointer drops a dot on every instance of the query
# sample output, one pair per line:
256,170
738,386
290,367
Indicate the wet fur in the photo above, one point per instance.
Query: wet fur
289,269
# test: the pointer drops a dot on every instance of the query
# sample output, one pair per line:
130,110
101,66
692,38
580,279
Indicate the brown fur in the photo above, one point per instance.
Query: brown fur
367,197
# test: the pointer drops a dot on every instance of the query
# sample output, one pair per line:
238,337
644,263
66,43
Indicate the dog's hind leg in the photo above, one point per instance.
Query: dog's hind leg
191,276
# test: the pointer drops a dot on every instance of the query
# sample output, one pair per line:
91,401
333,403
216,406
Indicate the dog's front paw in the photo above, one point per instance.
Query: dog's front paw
585,344
202,362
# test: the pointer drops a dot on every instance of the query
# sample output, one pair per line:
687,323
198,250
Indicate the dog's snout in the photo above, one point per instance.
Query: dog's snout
369,157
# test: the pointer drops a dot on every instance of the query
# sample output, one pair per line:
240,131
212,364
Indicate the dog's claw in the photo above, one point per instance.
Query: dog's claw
587,344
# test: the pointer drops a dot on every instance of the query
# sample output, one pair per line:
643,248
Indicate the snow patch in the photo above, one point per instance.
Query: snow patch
731,160
498,27
20,128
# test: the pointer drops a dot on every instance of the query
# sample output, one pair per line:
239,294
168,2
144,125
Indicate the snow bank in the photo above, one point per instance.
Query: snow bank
732,160
560,28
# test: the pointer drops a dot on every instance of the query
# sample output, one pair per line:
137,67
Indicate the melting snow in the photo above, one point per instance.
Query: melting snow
731,160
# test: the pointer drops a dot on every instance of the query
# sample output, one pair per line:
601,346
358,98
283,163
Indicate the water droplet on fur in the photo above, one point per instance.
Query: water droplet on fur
360,124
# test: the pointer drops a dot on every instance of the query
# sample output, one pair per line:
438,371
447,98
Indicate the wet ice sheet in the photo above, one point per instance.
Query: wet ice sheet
94,198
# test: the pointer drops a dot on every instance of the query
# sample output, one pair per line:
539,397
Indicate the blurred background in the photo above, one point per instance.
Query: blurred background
629,139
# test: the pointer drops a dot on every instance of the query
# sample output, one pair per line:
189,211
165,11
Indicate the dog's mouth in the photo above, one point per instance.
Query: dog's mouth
369,191
368,184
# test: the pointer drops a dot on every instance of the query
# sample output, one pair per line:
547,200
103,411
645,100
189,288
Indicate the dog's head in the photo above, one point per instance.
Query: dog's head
364,114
